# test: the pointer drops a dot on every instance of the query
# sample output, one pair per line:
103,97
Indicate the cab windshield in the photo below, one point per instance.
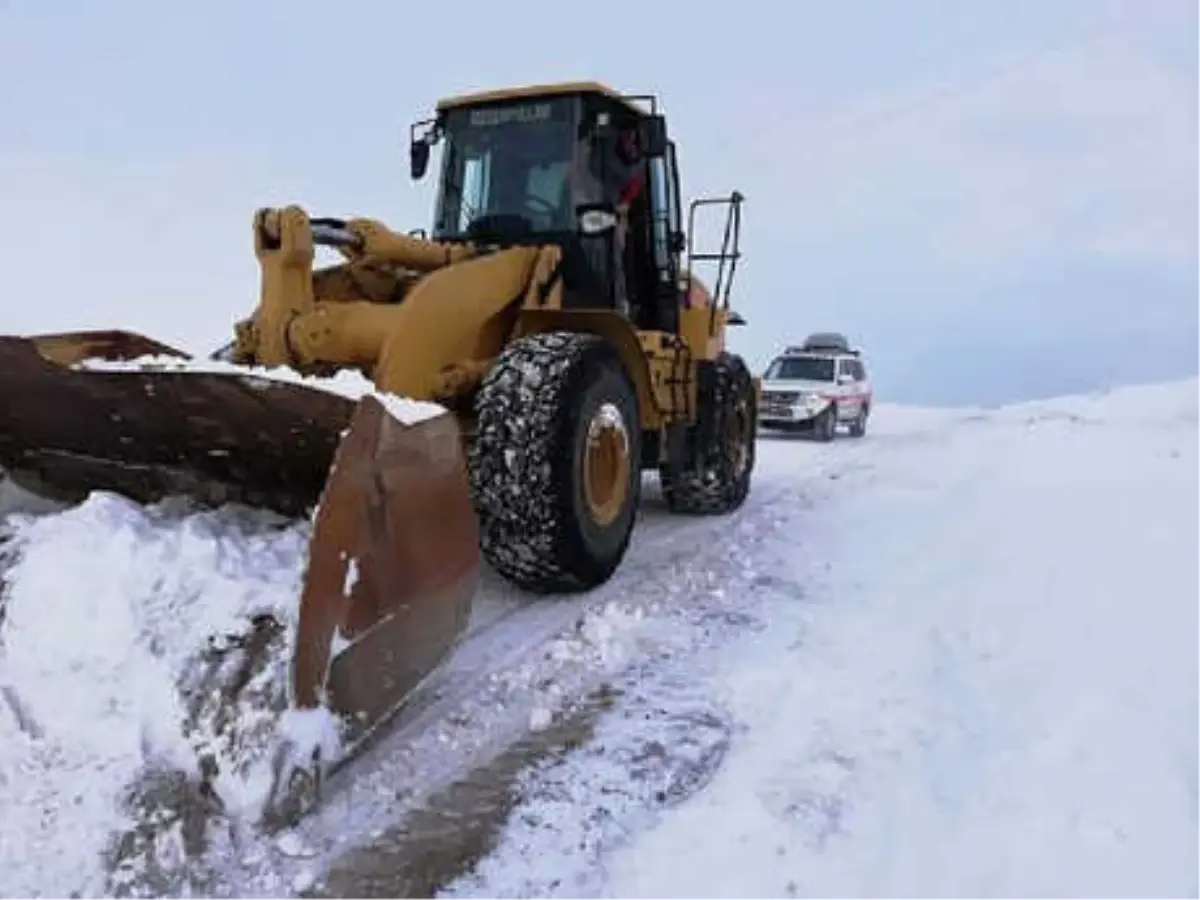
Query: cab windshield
507,167
800,368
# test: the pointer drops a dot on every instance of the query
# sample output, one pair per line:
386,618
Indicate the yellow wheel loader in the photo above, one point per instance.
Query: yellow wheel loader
552,315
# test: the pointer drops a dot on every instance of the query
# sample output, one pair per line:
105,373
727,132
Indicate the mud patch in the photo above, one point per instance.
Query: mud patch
810,799
8,556
460,824
164,849
657,747
699,740
636,747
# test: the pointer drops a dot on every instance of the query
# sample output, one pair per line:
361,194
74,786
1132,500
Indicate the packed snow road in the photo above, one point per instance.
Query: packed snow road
955,657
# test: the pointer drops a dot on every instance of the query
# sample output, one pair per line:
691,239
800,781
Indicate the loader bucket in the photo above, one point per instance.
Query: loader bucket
216,437
393,558
393,566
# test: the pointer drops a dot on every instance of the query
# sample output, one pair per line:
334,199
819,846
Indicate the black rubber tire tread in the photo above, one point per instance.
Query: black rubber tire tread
827,424
722,490
524,464
859,426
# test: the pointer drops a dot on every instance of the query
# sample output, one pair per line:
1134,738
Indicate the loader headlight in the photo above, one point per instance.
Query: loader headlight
597,221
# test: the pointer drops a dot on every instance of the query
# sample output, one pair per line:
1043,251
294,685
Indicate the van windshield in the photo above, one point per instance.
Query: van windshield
801,368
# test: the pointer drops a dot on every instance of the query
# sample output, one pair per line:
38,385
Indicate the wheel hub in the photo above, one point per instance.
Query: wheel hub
606,464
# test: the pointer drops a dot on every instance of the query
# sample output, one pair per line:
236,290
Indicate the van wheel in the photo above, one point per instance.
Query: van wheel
827,423
859,426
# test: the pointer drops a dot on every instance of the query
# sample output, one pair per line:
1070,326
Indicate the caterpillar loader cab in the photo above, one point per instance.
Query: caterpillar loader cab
553,169
493,389
595,174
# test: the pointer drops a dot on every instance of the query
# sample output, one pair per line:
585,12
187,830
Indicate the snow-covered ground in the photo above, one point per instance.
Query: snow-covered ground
977,676
107,607
957,657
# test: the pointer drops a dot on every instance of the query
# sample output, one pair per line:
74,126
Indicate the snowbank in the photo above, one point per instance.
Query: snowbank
106,606
997,695
977,677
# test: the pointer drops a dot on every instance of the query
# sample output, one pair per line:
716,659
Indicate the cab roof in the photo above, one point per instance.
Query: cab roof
556,89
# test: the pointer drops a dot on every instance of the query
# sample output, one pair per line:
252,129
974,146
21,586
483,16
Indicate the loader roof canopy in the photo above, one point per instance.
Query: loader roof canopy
536,92
507,165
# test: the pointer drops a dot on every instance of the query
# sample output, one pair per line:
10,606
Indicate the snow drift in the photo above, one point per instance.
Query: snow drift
108,613
977,676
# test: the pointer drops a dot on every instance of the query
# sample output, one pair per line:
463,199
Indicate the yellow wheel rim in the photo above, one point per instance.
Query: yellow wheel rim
606,465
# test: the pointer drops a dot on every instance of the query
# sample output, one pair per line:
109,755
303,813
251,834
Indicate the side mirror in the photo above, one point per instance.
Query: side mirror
595,218
677,242
418,157
845,378
652,135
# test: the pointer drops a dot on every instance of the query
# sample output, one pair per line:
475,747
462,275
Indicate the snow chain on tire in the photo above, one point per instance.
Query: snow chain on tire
525,467
718,483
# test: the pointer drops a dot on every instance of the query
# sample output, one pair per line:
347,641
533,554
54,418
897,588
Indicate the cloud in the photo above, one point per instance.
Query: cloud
1092,153
1026,213
1089,151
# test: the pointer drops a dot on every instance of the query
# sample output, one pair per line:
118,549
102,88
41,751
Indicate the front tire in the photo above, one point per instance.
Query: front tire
826,425
554,465
859,426
718,480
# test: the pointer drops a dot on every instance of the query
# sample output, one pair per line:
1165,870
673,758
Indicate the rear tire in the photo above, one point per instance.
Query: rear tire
554,517
727,423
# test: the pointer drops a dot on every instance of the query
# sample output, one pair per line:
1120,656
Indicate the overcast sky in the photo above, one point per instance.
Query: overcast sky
997,200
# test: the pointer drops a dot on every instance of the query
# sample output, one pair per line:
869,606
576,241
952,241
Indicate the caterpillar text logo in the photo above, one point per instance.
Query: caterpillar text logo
504,115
